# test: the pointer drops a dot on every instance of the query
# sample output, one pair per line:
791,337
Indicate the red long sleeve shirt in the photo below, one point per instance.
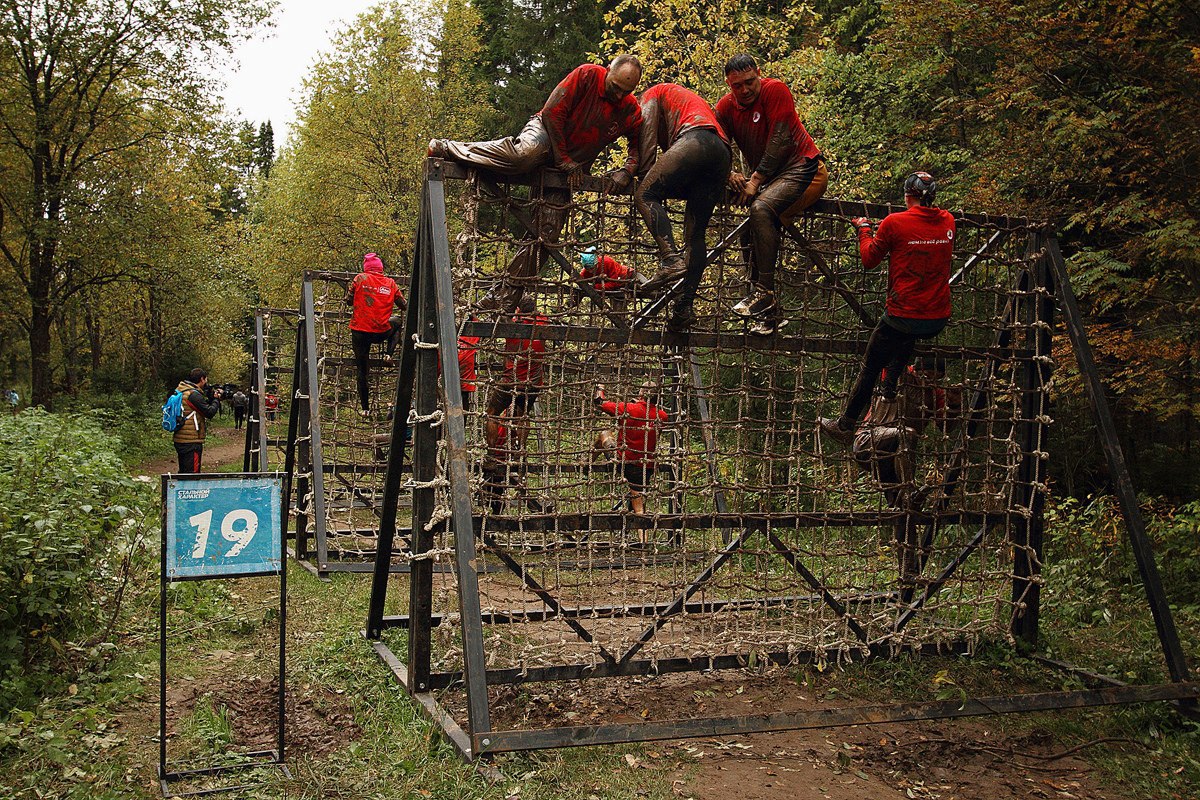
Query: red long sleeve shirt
525,358
669,111
919,245
617,274
375,295
768,132
581,121
637,429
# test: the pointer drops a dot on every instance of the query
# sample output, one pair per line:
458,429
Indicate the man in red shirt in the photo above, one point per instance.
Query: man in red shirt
787,176
521,382
919,246
694,167
637,437
590,109
271,403
373,295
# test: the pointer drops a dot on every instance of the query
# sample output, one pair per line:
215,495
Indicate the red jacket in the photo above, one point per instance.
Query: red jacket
668,112
375,295
768,132
466,362
637,429
524,364
617,273
919,244
581,121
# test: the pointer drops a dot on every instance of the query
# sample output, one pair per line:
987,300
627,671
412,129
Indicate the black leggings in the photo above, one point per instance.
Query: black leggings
360,342
694,169
890,349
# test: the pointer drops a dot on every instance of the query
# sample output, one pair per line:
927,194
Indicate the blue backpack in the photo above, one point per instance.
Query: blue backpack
172,412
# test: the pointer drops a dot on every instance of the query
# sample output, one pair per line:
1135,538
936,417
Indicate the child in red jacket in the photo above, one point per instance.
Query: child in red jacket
634,443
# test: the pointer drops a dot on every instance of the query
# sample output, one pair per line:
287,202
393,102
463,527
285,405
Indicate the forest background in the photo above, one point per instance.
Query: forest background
141,226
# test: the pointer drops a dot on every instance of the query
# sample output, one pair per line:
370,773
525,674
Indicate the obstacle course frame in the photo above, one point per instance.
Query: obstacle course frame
432,403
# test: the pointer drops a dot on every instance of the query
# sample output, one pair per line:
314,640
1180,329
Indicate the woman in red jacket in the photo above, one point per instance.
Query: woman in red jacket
373,295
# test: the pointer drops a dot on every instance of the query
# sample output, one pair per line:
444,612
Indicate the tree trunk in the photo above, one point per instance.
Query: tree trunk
95,340
42,389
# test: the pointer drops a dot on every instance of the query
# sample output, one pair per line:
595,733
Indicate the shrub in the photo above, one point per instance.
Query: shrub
69,518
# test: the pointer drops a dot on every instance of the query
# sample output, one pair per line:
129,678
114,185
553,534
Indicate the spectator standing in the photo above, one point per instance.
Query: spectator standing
198,409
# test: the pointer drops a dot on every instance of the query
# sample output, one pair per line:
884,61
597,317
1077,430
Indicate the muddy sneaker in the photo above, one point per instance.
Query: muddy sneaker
834,430
503,299
437,148
755,304
769,325
664,278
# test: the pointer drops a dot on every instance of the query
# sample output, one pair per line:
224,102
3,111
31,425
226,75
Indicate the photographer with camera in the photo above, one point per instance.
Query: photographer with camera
200,404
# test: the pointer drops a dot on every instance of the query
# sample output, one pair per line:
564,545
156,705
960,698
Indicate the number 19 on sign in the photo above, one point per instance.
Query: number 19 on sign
245,512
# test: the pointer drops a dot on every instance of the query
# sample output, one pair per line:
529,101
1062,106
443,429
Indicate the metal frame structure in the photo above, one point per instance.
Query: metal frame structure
305,448
167,774
430,321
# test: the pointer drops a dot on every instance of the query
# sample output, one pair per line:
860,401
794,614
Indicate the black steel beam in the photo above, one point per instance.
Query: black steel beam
385,545
616,521
811,579
828,206
725,341
478,707
723,661
514,740
1118,471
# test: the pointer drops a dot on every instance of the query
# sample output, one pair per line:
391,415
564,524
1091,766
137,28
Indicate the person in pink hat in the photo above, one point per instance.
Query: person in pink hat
372,295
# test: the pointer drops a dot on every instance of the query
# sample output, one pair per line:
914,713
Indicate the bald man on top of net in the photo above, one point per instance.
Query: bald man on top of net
591,108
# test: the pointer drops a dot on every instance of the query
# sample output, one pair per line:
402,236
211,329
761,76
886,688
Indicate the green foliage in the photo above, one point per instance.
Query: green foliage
530,47
349,180
1100,617
72,523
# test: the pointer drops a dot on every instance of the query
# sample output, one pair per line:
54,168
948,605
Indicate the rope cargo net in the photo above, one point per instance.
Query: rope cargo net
276,347
340,471
761,540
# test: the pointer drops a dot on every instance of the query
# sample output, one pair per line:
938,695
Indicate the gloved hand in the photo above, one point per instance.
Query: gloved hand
598,395
619,180
861,222
576,175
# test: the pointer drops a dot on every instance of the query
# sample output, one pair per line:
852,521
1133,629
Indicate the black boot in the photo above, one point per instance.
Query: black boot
682,317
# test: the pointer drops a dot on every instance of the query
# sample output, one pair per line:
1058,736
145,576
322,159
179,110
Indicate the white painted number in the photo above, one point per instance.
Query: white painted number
240,538
230,530
202,522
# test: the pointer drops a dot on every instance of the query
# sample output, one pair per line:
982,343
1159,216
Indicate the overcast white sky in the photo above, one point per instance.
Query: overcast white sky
263,82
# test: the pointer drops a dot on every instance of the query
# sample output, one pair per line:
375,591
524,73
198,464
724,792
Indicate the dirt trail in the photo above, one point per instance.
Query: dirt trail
216,456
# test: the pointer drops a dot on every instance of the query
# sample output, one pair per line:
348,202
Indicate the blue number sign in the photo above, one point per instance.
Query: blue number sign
223,526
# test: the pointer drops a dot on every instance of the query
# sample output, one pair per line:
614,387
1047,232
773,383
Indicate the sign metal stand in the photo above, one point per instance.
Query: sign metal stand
221,526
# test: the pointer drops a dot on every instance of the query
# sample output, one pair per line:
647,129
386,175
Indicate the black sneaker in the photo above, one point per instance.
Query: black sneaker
755,304
834,430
